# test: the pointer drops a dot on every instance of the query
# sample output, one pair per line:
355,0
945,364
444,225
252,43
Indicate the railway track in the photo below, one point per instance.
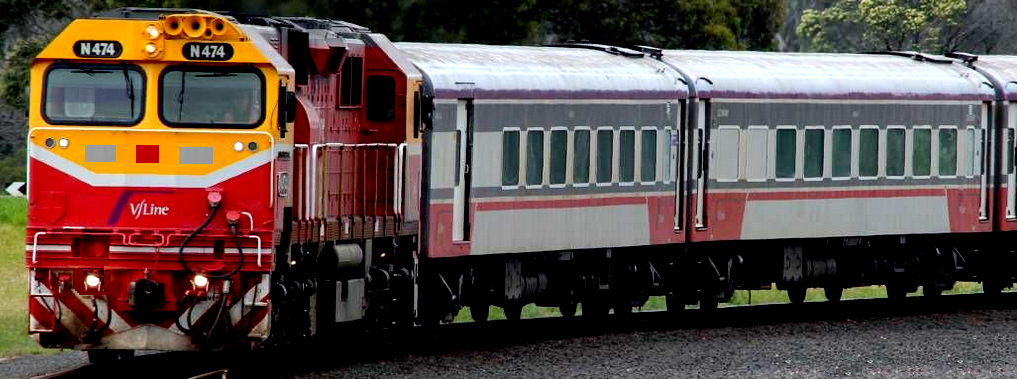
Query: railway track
346,348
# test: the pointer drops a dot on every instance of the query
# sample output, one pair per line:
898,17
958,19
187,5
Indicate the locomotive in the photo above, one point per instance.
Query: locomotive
203,180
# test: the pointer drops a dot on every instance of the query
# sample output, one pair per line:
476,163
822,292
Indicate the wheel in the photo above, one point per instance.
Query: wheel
708,302
796,294
931,291
992,287
568,310
833,293
675,304
479,313
513,311
896,291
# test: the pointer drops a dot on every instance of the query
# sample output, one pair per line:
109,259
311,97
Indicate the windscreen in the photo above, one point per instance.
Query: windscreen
211,97
94,95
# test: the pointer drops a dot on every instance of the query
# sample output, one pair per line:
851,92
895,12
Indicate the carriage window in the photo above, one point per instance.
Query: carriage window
895,152
668,149
814,153
535,158
1009,151
648,164
380,98
755,155
605,150
841,153
921,152
581,157
351,82
510,158
627,156
972,145
727,153
559,145
95,94
212,97
787,145
868,153
947,152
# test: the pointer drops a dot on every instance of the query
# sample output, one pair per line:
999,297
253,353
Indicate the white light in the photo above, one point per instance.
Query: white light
238,146
293,263
64,143
200,281
92,281
151,49
152,32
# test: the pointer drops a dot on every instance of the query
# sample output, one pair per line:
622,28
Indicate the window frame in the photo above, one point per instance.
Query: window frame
596,156
776,132
956,153
519,160
667,167
116,67
656,154
822,153
550,158
851,153
360,85
886,152
766,153
720,148
972,165
570,177
543,156
239,69
635,155
933,155
858,148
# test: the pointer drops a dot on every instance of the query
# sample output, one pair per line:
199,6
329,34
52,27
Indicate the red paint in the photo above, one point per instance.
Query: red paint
724,215
843,194
147,153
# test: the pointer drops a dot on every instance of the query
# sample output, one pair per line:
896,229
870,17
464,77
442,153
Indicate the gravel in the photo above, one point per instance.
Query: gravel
34,365
976,344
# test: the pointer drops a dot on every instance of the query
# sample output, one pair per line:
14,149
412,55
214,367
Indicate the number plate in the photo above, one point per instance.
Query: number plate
208,51
98,49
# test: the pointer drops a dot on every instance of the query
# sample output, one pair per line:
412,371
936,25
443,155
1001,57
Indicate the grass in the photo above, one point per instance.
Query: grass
740,297
14,339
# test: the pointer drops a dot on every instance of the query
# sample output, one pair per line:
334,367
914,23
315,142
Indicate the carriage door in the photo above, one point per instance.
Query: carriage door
463,164
1009,153
675,160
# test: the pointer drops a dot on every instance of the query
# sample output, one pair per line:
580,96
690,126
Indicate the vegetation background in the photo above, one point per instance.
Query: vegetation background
933,26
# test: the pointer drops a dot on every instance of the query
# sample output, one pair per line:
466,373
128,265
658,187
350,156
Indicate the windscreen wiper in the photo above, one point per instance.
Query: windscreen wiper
180,96
130,87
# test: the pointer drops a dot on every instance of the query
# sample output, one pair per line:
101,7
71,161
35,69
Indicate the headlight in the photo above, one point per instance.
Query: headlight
64,143
238,146
152,32
92,281
200,281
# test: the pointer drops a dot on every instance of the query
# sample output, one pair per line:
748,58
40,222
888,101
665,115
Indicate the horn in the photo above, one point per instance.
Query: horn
218,26
194,26
173,25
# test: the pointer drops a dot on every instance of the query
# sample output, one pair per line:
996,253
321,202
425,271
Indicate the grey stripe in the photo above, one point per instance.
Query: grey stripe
195,155
101,153
827,183
829,115
495,117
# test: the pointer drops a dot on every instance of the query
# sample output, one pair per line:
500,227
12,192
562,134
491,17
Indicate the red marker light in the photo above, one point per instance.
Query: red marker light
147,154
214,197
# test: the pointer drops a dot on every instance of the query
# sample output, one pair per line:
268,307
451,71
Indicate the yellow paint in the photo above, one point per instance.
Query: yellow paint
150,130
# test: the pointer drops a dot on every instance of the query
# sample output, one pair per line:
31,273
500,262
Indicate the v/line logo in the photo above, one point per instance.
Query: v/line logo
144,208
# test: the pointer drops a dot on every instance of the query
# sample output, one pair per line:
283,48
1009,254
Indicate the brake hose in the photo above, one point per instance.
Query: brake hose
236,238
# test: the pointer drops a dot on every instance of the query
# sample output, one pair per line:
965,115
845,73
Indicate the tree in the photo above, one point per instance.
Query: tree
866,25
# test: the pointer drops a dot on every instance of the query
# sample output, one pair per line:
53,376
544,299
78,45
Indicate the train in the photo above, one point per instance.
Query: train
208,181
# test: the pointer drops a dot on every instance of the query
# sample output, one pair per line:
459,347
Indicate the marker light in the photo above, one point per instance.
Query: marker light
50,143
64,143
92,281
152,32
151,49
238,146
200,281
252,146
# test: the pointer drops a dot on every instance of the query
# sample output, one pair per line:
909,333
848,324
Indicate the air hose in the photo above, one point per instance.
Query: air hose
236,239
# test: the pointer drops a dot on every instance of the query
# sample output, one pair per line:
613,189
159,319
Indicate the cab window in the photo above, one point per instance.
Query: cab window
212,97
94,95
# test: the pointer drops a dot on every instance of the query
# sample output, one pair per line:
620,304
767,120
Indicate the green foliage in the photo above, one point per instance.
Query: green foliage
868,25
14,72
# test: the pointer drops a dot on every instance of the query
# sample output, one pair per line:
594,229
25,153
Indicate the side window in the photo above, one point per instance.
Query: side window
559,147
895,152
841,153
605,149
921,152
648,153
868,153
948,152
668,149
534,157
972,144
351,82
627,156
814,150
786,150
755,155
727,150
1009,151
510,158
581,157
380,98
